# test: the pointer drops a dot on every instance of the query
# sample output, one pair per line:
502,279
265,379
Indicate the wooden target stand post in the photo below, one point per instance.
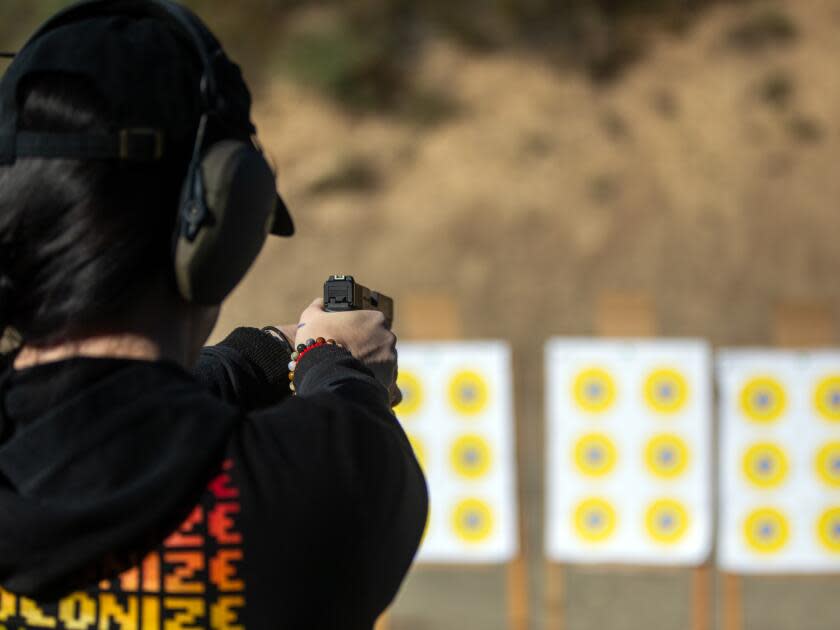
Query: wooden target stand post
436,317
627,315
797,325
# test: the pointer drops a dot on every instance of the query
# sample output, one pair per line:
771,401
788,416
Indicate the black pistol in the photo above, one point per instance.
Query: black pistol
343,293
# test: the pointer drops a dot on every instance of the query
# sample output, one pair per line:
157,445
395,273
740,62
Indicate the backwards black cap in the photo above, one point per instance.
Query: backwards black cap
155,92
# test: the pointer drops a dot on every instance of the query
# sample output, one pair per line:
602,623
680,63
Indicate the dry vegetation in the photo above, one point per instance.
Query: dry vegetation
703,175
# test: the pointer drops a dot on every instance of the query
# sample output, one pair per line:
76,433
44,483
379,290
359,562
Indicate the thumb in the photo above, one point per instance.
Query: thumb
316,307
317,303
313,311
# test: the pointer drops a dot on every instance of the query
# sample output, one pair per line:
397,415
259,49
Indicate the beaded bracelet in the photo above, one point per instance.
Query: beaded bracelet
299,353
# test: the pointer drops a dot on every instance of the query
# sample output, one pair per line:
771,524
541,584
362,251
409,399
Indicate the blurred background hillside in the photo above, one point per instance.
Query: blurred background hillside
524,157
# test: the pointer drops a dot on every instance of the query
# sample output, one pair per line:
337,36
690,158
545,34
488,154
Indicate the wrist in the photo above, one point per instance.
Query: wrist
279,335
302,351
264,351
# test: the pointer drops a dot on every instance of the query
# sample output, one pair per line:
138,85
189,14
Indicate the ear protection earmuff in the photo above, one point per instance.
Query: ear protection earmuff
229,202
226,212
229,195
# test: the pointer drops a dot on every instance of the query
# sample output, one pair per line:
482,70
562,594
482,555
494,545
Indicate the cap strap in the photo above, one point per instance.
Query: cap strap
130,145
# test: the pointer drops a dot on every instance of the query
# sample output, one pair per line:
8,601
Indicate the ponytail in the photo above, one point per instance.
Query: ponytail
80,241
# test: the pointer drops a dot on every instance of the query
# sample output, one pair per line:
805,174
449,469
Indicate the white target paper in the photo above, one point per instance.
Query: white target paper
780,461
458,412
628,452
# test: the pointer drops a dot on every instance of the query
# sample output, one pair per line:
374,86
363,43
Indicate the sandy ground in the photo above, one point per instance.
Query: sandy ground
680,181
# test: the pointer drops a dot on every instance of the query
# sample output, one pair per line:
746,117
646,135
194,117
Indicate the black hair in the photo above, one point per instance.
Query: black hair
79,240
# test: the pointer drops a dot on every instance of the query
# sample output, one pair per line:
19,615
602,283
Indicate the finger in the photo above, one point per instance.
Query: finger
314,309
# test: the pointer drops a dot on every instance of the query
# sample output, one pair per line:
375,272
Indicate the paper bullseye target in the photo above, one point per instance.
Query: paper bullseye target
828,464
827,398
594,390
765,465
412,394
763,399
457,411
766,531
595,455
667,456
472,520
666,391
828,530
595,520
471,456
468,393
666,521
780,452
628,471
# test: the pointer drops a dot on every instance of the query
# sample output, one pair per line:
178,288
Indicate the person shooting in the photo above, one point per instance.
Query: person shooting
146,480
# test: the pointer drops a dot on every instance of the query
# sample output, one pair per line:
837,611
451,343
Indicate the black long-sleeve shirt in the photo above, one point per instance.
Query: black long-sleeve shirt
136,495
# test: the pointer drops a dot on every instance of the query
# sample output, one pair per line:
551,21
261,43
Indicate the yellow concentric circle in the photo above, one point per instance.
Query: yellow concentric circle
666,456
828,530
827,463
419,450
827,398
412,394
763,399
595,520
595,455
468,393
666,391
472,521
594,390
765,465
766,531
666,521
471,456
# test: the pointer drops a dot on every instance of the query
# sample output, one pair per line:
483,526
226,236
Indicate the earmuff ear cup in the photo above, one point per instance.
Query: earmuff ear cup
240,193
